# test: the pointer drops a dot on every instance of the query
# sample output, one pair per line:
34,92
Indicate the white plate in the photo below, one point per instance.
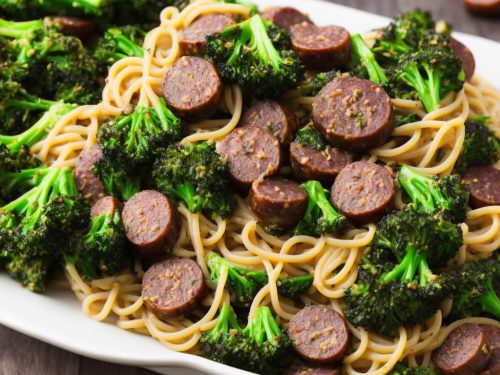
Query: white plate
57,317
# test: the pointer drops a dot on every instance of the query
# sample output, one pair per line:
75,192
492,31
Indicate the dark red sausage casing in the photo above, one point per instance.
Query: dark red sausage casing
353,114
193,38
251,153
285,17
321,165
465,351
484,185
151,223
75,26
192,88
87,183
484,7
363,191
321,47
105,205
305,369
272,117
493,336
279,203
465,55
173,286
319,334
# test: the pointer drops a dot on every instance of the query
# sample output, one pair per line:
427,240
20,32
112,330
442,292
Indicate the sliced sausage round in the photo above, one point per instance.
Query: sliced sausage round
192,38
321,165
319,334
484,7
151,223
363,191
279,203
321,47
192,88
105,205
354,114
465,351
272,117
484,185
173,286
303,369
87,183
493,336
285,17
250,153
465,55
75,26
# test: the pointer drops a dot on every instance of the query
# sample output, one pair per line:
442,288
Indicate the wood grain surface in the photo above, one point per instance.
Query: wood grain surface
21,355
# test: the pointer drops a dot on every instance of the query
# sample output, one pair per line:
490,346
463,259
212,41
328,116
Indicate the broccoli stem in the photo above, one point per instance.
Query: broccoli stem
365,55
428,87
405,270
187,193
263,326
18,30
490,300
90,6
319,201
226,321
39,130
126,46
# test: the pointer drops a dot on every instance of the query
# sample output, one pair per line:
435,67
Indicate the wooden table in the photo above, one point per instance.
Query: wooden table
21,355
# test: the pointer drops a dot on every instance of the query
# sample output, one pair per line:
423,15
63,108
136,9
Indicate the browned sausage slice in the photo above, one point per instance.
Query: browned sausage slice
192,38
278,203
303,369
273,117
465,351
354,114
75,26
284,17
493,336
484,7
151,222
321,165
319,334
192,88
465,55
363,191
484,185
172,286
321,47
87,183
250,153
105,205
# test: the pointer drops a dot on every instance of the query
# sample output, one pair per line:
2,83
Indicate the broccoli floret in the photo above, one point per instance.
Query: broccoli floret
254,9
245,54
15,182
117,44
196,175
481,147
308,136
14,162
476,289
404,369
364,56
399,288
403,119
134,138
101,249
320,216
118,180
51,208
314,84
431,73
445,195
244,283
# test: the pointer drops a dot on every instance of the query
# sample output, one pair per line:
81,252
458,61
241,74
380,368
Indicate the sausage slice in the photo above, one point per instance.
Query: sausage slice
465,351
86,182
172,286
484,7
272,117
484,185
192,88
363,191
321,47
105,205
303,369
192,39
151,223
285,17
493,336
321,165
466,56
279,203
354,114
319,334
250,153
75,26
